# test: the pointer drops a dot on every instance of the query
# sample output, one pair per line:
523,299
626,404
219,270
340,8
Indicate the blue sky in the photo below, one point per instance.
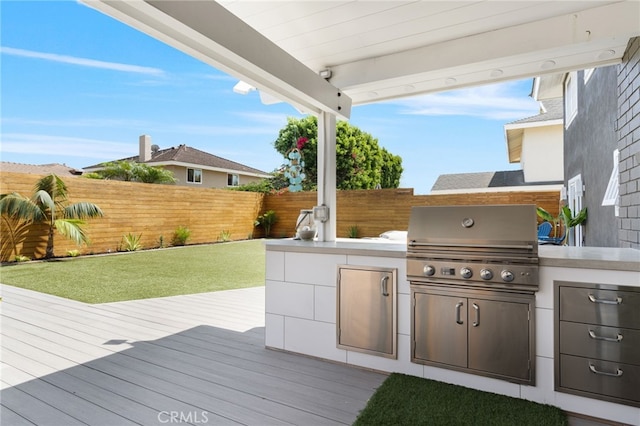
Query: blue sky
79,88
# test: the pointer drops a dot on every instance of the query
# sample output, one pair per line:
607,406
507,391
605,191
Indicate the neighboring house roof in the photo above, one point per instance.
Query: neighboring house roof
551,113
187,156
483,180
61,170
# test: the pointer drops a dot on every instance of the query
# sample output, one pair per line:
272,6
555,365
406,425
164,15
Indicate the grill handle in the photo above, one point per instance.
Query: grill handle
477,309
458,306
414,243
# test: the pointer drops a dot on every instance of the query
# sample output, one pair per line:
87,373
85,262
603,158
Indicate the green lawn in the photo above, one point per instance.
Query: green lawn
144,274
404,400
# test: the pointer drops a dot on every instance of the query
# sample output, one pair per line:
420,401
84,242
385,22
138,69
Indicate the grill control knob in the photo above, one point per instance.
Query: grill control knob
486,274
466,272
429,270
507,276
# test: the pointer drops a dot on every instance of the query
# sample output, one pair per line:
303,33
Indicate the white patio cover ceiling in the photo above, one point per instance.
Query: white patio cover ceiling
380,50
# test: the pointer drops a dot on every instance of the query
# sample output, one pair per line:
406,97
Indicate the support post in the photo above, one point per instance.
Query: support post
327,173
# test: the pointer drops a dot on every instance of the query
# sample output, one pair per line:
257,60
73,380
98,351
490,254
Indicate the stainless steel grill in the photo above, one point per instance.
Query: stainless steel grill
474,246
473,272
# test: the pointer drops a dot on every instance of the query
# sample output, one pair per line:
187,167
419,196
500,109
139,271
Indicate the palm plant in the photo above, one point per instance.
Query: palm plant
130,171
48,205
566,217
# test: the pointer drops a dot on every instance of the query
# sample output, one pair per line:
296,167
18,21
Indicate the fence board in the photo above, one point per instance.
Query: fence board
157,210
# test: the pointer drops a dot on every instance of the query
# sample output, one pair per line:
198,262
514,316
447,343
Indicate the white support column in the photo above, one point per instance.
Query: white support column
327,173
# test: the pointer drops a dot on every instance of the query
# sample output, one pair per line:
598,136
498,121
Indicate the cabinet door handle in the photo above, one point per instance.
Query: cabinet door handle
458,306
616,301
593,335
383,285
618,372
477,309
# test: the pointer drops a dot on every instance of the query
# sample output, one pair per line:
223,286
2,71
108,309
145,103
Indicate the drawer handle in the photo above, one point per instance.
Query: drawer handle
616,301
593,335
618,372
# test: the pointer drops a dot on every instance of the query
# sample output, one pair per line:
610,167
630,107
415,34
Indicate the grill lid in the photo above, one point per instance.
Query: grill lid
491,228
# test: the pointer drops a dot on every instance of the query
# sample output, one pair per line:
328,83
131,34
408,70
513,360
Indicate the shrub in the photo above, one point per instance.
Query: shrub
353,231
21,258
266,220
132,242
181,235
73,253
224,236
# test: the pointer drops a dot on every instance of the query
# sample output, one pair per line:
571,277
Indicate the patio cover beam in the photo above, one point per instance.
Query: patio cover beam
209,32
590,38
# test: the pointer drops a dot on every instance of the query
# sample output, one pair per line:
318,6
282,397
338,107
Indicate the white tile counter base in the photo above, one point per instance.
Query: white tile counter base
301,318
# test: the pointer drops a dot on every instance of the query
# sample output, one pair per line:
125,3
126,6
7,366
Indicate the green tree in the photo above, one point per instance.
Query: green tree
49,205
360,162
130,171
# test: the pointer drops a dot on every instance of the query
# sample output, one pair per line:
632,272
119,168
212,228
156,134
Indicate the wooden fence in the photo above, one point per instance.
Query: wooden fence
376,211
156,211
153,211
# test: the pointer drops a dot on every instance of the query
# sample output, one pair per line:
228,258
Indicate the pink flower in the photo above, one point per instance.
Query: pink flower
301,142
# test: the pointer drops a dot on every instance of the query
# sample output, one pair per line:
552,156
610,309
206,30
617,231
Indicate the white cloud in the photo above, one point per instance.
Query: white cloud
26,143
494,102
77,122
255,123
72,60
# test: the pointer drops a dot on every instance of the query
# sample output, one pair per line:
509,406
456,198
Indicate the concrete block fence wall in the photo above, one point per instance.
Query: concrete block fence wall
157,210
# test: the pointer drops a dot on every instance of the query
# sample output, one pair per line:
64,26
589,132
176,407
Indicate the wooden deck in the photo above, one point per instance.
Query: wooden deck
194,359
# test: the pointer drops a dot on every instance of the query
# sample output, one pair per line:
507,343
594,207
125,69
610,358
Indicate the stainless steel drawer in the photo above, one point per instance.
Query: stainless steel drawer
605,343
601,378
603,307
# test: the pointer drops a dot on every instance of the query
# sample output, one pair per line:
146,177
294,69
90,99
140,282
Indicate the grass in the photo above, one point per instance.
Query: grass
408,400
144,274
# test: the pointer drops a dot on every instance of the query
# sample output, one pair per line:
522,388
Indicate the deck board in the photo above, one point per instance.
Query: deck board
201,356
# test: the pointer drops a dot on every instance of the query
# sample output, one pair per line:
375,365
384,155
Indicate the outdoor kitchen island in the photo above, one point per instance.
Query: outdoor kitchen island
301,312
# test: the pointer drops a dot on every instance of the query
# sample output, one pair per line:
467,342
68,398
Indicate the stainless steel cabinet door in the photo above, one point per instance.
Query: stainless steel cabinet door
499,337
440,329
367,310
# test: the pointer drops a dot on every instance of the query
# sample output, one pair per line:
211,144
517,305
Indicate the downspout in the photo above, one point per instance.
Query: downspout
327,174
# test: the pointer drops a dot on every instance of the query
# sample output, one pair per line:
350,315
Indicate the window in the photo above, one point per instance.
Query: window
570,98
194,175
233,180
575,192
611,194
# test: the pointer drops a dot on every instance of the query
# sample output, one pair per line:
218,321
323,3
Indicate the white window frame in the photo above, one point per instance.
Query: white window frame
611,195
570,98
587,74
575,191
197,176
234,178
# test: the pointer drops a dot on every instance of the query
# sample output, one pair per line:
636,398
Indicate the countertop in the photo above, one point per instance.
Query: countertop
605,258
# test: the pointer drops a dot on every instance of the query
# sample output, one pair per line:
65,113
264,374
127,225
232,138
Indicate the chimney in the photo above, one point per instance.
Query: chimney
145,149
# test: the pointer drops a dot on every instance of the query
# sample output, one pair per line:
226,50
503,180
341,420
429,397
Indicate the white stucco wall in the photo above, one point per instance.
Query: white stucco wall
542,154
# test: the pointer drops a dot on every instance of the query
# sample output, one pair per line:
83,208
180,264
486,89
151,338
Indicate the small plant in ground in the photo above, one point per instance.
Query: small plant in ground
224,236
161,241
266,220
21,258
131,242
353,231
73,253
181,235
